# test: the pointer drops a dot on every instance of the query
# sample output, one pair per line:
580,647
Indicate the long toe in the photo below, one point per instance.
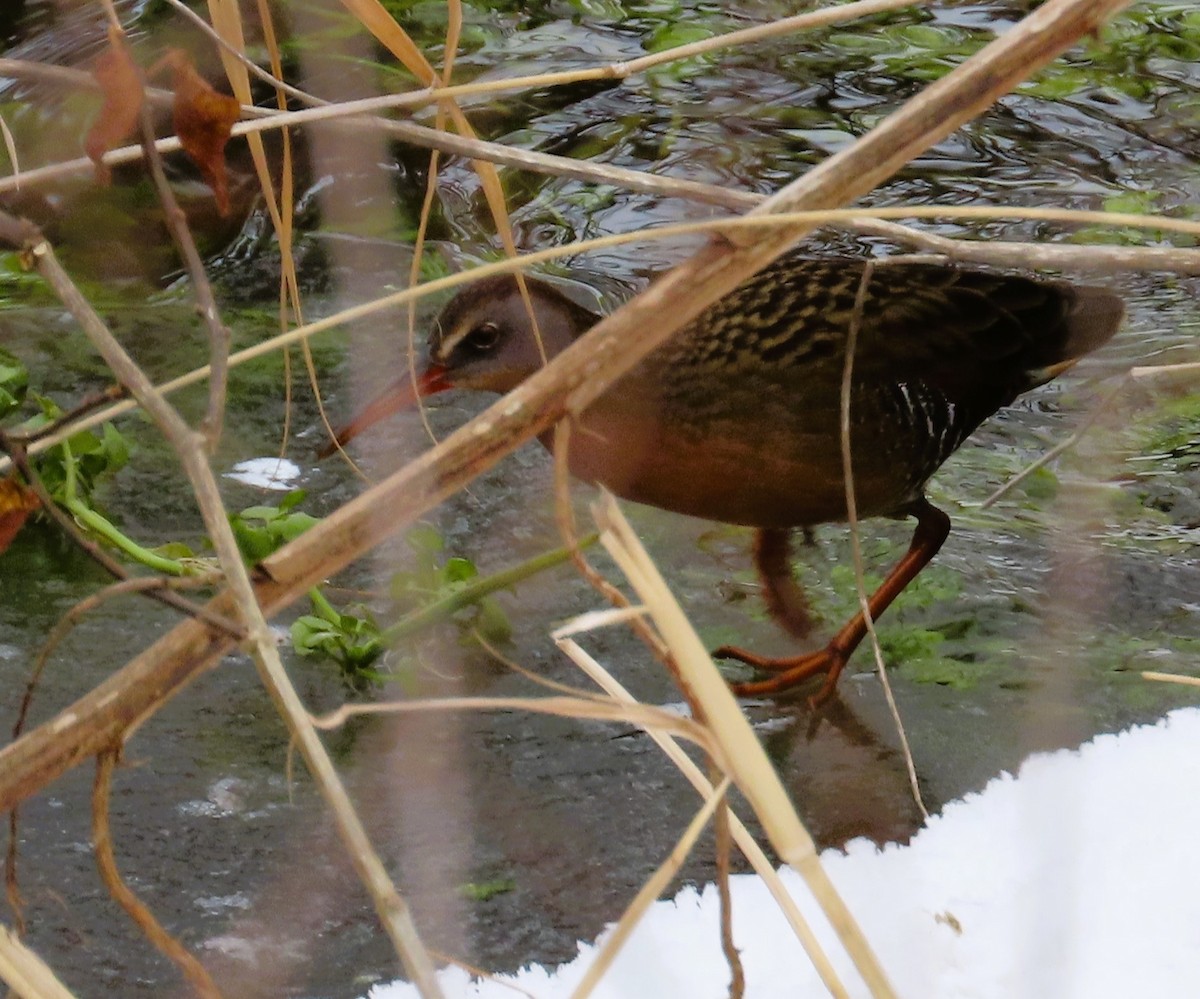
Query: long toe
790,673
768,664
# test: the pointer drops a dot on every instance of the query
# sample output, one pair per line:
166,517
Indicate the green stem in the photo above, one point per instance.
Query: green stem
101,526
324,609
98,525
68,473
477,590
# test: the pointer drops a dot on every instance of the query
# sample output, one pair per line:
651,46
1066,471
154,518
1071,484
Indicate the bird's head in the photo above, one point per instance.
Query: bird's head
483,339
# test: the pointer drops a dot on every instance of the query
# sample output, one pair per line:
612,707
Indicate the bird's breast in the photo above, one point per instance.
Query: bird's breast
768,462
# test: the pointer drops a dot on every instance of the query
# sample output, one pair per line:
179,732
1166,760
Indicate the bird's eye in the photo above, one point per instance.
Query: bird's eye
483,337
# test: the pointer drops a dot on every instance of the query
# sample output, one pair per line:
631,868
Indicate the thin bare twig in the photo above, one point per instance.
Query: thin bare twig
564,516
763,867
188,445
155,932
219,335
105,397
60,630
650,890
723,845
251,66
741,754
1098,410
587,708
860,581
568,384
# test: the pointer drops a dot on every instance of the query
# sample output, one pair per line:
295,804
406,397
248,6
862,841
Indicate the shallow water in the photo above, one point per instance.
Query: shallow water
1028,633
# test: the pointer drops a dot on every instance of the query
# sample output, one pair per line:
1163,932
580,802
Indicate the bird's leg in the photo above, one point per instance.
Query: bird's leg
932,528
783,595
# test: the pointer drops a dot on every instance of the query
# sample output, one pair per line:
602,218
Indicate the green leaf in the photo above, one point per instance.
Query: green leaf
351,639
458,570
292,526
481,891
425,538
14,383
174,549
672,35
262,530
1040,484
116,448
256,543
293,500
492,623
263,513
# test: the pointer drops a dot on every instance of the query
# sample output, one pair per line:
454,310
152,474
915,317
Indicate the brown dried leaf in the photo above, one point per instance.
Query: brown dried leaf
121,84
203,119
17,502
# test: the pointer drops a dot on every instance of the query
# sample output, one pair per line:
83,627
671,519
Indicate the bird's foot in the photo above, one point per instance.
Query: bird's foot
789,671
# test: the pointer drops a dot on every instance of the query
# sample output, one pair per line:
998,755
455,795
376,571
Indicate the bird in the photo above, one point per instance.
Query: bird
738,417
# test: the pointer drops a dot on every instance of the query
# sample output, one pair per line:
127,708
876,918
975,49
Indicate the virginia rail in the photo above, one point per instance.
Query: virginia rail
737,418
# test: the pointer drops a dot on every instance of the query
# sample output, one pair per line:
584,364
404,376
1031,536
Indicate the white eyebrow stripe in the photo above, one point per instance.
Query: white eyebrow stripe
447,342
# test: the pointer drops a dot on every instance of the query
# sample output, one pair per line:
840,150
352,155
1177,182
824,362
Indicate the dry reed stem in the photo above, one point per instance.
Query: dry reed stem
195,973
189,448
642,716
591,620
999,253
290,307
227,30
1098,409
1160,377
564,516
568,384
1187,681
27,975
746,761
219,335
712,226
653,886
741,835
10,147
450,47
1185,373
860,572
723,847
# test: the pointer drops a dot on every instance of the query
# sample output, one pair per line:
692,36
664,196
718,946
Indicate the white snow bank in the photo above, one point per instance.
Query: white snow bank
1078,878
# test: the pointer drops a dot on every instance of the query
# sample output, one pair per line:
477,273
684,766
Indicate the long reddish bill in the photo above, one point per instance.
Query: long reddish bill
401,394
